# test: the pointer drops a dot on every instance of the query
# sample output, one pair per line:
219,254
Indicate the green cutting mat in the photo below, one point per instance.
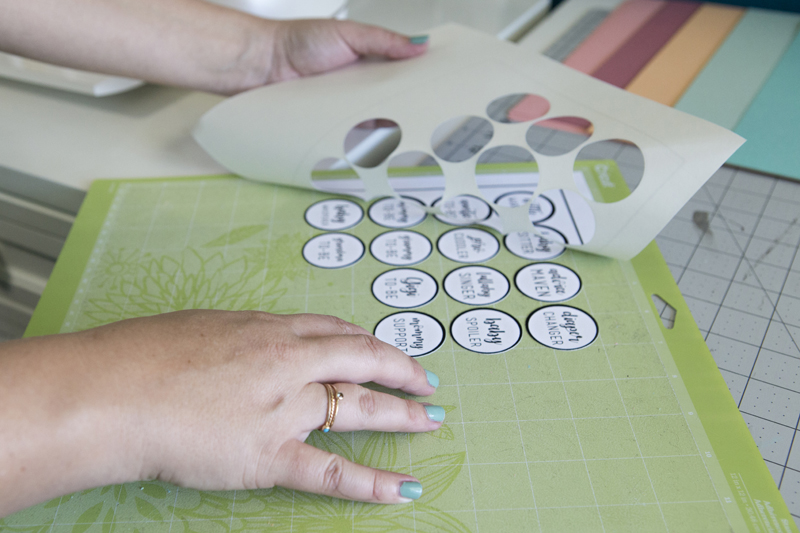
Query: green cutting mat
635,432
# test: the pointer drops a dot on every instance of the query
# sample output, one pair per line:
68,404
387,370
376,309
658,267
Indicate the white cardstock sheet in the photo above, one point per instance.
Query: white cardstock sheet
279,133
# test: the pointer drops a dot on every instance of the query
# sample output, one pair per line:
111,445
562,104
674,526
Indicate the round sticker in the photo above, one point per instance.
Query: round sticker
547,282
486,331
404,288
529,245
513,199
334,214
541,209
562,327
538,211
414,333
397,212
462,210
400,248
468,245
333,250
476,285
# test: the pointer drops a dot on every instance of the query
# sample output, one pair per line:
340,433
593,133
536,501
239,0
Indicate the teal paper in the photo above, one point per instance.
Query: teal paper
731,80
772,124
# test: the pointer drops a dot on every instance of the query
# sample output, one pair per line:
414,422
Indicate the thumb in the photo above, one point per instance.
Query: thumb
372,40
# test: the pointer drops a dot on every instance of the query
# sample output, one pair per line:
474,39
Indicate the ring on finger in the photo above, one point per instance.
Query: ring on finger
333,406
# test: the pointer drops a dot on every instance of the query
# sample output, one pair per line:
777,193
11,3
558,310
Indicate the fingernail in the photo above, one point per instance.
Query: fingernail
411,490
435,412
433,379
418,39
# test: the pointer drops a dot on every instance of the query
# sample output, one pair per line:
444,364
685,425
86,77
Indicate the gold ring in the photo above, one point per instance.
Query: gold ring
333,406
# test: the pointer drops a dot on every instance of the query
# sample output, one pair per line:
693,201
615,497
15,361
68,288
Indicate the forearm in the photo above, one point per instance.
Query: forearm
55,437
188,43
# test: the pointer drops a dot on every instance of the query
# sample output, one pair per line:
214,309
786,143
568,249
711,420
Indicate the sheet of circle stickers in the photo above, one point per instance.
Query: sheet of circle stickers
569,406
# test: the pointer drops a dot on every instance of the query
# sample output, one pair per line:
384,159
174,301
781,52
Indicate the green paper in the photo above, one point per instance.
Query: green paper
634,432
730,81
770,125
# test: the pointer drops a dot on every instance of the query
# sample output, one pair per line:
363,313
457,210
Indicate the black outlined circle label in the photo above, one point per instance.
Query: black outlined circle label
397,212
400,248
476,285
562,327
486,331
334,214
513,199
416,334
541,209
548,282
333,250
538,211
468,245
462,210
404,288
529,245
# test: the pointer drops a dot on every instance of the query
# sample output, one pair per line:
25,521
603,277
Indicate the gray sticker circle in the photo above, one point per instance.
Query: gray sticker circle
476,285
416,334
548,282
404,288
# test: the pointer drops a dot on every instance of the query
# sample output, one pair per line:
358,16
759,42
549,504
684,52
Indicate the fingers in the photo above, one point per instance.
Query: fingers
363,358
310,325
303,467
365,409
372,40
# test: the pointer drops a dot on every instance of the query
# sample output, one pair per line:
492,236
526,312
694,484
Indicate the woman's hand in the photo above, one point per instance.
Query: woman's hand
206,399
187,43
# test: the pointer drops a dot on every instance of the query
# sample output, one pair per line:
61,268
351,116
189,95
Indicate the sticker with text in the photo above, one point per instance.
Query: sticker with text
548,282
486,331
400,248
468,245
529,245
538,211
333,250
476,285
404,288
397,212
334,214
562,327
462,210
416,334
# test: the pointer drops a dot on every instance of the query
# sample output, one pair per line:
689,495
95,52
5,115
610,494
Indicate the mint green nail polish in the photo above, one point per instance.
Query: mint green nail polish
418,39
411,490
435,412
433,379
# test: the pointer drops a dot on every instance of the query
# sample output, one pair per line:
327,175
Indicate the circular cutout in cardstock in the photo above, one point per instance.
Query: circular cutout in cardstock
519,107
559,135
476,285
468,245
370,142
462,210
397,212
547,282
333,250
400,248
460,138
529,245
334,214
416,334
485,331
404,288
562,327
